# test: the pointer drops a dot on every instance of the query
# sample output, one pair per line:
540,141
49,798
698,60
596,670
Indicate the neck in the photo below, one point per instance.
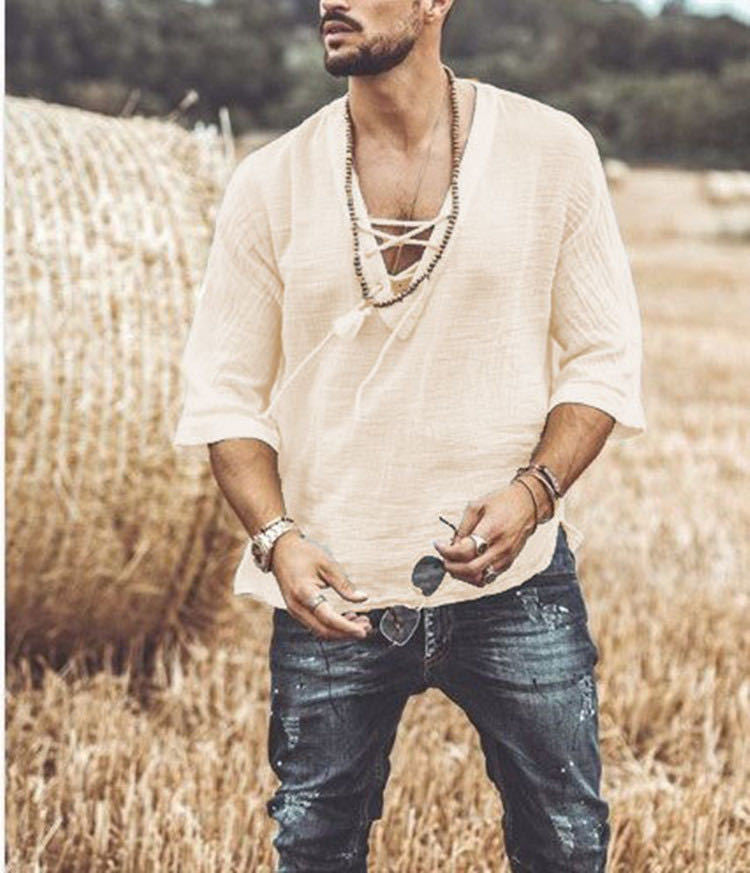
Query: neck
398,106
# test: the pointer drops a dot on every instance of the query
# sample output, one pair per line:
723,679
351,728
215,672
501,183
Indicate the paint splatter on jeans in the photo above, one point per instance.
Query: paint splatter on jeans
521,666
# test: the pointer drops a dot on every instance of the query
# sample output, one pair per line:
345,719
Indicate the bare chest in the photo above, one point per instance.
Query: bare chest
408,188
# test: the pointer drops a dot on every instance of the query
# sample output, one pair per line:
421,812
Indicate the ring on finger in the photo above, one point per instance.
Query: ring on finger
315,601
480,542
488,574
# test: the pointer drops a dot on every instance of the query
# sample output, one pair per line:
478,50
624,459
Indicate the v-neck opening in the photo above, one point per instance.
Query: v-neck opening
472,165
384,283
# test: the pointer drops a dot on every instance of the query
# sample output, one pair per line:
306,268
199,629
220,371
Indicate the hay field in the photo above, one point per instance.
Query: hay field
168,772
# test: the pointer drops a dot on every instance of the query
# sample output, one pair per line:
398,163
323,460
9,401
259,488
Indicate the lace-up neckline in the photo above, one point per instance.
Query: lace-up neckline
408,235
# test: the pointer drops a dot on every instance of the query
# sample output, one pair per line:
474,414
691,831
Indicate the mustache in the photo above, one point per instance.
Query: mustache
337,16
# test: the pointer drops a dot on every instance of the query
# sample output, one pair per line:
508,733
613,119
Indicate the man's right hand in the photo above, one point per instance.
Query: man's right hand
302,569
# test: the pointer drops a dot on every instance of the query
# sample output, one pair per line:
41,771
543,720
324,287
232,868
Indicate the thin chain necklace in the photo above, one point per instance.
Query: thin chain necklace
394,268
451,218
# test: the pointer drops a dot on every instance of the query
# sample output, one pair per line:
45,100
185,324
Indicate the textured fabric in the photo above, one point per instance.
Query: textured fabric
520,664
385,418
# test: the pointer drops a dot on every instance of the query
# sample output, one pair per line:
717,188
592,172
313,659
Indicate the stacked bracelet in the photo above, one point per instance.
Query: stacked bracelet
548,480
549,476
539,477
517,478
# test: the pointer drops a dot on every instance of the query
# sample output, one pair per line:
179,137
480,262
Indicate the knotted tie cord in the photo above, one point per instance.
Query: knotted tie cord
347,326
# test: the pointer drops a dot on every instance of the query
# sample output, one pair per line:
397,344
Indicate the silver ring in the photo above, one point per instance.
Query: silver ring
489,574
316,601
480,542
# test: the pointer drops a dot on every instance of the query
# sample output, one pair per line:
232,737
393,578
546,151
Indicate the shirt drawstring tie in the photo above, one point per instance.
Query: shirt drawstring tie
386,345
348,325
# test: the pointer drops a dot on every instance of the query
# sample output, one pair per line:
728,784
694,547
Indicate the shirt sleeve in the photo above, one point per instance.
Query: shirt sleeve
595,319
232,354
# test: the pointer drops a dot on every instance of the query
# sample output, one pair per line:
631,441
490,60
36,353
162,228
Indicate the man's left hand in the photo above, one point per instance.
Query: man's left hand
505,518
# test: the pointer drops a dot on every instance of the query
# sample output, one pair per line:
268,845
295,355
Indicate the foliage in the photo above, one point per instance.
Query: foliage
668,88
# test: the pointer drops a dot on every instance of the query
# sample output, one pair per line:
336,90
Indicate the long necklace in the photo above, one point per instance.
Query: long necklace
451,218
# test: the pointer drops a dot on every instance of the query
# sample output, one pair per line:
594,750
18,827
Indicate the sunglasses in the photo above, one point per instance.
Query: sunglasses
398,623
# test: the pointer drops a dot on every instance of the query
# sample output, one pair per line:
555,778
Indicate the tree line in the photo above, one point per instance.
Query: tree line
666,89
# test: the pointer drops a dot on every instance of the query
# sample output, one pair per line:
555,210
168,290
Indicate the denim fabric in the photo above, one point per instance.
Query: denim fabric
519,663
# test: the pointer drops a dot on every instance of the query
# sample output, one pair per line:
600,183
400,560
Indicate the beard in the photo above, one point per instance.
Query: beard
379,54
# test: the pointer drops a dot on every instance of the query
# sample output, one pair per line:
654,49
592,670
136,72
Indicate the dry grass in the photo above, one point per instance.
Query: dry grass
169,773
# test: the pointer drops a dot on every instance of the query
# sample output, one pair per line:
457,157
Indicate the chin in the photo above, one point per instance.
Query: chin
340,63
363,63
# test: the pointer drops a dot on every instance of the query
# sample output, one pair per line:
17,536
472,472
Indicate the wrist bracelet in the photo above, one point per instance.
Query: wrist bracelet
548,475
547,487
533,500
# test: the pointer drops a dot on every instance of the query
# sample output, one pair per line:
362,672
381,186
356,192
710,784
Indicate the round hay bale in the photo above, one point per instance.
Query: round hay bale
112,536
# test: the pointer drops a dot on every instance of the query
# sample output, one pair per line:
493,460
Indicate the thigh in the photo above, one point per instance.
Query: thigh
522,667
335,709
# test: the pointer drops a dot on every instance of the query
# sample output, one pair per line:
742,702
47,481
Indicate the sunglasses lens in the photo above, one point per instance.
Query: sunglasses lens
398,624
428,573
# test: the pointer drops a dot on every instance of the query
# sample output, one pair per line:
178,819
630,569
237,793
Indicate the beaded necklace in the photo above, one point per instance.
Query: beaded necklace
451,218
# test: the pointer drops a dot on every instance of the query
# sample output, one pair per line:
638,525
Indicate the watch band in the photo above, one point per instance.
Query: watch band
263,542
274,521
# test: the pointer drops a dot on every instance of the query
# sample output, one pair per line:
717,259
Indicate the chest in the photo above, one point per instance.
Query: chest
403,187
402,193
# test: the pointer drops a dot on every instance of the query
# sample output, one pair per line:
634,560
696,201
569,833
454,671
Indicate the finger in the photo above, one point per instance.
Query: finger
336,623
320,630
364,620
472,514
461,551
497,555
306,616
323,619
340,582
465,549
298,604
471,517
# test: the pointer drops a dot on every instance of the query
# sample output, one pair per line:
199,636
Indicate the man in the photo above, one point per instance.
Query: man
417,310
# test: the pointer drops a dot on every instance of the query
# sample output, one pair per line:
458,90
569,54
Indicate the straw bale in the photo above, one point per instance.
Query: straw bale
112,535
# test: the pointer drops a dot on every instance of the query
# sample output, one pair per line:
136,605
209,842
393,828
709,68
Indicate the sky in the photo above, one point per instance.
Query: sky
739,8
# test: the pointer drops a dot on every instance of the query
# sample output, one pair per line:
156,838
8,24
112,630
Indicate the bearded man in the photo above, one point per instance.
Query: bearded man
417,311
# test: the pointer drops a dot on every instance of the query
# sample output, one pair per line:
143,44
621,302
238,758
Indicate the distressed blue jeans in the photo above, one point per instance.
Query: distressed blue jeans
520,665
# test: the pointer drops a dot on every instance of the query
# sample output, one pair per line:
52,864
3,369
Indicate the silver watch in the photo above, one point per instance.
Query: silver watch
263,542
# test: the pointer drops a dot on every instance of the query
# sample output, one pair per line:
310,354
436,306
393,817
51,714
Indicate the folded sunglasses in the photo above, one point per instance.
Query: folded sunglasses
399,622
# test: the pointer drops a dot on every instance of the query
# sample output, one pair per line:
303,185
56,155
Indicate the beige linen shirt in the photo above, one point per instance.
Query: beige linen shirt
385,418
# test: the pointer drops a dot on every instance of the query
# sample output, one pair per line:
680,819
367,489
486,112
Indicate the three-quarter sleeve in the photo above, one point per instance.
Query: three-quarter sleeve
233,348
595,319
